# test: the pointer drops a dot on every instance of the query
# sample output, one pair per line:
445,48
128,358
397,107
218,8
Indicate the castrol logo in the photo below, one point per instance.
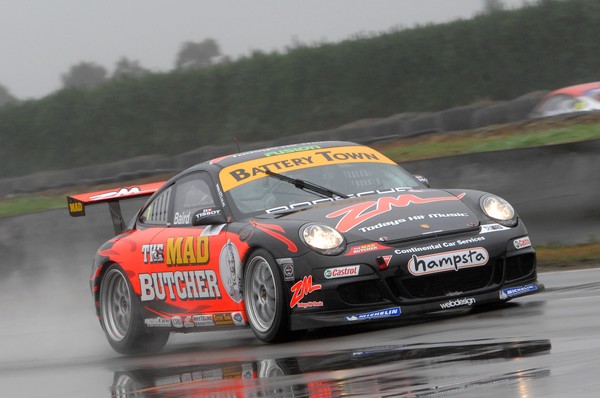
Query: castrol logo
342,272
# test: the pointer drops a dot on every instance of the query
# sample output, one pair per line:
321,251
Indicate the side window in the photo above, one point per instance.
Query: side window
192,193
157,212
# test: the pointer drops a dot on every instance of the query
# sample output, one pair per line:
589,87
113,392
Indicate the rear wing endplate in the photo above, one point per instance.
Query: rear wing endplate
77,203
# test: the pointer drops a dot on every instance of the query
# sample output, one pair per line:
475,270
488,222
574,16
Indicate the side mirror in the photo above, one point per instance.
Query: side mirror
209,216
423,180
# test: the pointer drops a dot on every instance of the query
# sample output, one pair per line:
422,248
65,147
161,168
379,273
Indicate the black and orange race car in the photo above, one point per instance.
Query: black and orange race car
299,237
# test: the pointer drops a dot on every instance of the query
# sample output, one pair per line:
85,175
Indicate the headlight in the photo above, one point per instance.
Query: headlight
323,239
499,209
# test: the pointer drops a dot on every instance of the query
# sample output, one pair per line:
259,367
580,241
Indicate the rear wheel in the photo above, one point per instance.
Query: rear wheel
120,312
264,298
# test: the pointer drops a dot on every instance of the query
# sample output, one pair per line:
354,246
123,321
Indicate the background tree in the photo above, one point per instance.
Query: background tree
490,6
84,75
126,68
5,96
197,55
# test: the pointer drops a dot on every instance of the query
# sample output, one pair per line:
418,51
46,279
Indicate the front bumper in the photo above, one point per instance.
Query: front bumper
391,311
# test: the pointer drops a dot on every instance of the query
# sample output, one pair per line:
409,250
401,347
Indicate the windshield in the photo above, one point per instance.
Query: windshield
272,195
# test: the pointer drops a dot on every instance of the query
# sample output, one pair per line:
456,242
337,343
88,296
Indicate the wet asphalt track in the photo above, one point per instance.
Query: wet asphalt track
545,345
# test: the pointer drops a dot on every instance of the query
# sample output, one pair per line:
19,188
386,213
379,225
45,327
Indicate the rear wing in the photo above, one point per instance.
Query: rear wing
78,203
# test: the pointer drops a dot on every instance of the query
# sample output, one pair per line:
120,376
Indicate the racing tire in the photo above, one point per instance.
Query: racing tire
121,316
265,299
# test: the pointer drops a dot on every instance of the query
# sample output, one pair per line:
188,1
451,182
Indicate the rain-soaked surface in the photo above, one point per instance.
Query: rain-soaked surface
544,345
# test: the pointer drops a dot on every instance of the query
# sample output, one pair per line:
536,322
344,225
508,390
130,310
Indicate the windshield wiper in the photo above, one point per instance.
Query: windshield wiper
306,185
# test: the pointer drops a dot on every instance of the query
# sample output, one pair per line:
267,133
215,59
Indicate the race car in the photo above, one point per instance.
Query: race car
299,237
573,99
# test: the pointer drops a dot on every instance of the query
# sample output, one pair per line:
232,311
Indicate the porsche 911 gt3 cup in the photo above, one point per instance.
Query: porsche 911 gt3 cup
299,237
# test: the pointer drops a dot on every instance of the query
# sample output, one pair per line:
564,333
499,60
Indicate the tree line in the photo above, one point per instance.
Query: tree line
494,56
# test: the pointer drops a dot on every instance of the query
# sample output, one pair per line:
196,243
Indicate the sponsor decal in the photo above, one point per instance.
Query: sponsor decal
153,253
310,304
198,217
354,215
462,242
221,196
292,150
447,261
369,247
302,288
383,225
182,218
387,313
487,228
188,322
251,170
334,199
157,322
439,246
276,232
203,320
458,303
116,194
447,215
230,267
238,319
386,260
522,243
189,250
180,285
222,319
517,291
287,265
75,207
342,272
177,322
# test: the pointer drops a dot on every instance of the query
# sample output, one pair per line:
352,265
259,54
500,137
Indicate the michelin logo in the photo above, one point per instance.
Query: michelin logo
387,313
517,291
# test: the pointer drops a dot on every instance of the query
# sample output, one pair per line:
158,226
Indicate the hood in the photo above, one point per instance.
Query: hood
392,217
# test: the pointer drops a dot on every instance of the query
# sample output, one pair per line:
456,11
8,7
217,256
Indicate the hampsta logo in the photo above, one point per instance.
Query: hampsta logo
447,261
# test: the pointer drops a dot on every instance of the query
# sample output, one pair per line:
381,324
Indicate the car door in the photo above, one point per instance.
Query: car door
200,273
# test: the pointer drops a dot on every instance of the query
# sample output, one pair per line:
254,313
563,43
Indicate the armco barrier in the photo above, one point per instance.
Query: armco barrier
397,126
555,188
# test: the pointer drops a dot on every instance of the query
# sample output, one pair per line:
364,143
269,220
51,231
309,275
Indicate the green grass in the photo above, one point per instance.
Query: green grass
461,143
24,204
588,253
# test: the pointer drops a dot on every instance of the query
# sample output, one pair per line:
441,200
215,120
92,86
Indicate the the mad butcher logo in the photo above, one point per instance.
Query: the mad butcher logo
357,214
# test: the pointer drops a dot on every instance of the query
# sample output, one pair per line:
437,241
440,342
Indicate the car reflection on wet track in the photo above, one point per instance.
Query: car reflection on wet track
395,370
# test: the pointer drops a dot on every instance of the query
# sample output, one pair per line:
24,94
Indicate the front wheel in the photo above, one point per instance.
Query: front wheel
264,298
120,316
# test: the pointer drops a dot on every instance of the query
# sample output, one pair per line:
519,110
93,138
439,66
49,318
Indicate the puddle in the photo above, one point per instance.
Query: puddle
394,370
